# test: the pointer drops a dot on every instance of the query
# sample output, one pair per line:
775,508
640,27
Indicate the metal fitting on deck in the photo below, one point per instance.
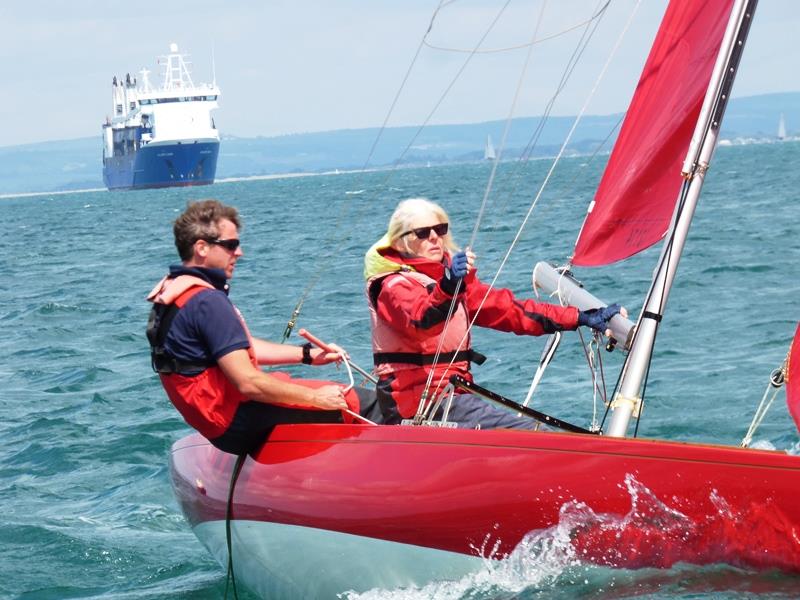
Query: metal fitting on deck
635,404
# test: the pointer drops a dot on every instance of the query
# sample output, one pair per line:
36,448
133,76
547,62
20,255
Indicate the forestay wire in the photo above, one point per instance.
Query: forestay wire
519,46
336,247
325,263
423,401
327,260
574,59
538,194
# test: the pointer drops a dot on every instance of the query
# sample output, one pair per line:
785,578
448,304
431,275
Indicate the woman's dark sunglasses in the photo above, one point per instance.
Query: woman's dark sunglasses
230,245
423,233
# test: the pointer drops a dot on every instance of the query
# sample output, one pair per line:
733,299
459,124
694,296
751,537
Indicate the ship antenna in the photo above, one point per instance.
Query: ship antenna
213,68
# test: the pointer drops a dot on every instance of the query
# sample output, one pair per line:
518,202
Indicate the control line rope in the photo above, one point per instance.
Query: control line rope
336,248
546,181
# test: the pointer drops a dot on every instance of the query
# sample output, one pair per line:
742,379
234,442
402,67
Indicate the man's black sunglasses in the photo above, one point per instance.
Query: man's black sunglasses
423,233
230,245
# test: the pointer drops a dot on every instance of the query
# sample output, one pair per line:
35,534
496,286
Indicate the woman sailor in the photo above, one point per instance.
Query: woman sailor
414,273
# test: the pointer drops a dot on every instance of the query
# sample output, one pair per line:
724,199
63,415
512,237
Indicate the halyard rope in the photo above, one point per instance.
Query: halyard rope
542,187
423,401
345,231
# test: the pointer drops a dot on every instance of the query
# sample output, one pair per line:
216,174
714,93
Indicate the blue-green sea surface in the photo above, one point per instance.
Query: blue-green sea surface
87,509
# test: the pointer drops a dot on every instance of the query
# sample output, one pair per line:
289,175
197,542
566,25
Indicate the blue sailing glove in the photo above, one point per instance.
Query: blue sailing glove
458,264
598,318
455,273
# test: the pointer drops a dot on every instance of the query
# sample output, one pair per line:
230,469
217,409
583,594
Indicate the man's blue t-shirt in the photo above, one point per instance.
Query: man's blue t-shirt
207,327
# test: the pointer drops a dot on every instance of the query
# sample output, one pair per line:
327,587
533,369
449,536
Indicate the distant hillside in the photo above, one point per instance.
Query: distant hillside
76,164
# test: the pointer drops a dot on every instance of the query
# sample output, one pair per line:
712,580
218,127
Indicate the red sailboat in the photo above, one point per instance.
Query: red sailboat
323,509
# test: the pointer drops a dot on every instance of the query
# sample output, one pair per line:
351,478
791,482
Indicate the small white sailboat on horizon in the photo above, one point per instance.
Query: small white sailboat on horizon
782,128
488,152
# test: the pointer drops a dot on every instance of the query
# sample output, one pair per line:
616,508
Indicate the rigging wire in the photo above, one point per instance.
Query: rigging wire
712,123
509,118
546,181
591,351
663,260
719,100
572,62
506,130
524,158
577,53
327,260
335,251
776,381
519,46
450,86
594,358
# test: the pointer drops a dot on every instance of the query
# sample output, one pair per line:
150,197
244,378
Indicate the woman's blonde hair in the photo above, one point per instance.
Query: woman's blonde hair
404,216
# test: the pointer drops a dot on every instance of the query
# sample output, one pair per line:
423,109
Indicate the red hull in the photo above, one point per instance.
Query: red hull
629,503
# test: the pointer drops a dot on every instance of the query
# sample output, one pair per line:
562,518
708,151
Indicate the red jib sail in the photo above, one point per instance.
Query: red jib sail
637,195
793,379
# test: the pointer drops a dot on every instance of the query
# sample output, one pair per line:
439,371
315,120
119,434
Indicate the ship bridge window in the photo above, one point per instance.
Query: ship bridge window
211,97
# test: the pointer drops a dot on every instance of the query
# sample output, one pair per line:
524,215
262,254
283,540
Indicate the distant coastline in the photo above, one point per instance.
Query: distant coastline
72,165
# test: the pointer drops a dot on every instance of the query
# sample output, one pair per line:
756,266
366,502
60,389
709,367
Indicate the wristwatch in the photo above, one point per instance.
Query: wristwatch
306,360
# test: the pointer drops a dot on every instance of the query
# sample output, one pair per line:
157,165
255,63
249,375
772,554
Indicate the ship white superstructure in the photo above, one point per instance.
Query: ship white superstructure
172,122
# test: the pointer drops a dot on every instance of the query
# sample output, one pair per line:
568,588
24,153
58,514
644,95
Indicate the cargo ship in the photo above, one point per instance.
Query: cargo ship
161,137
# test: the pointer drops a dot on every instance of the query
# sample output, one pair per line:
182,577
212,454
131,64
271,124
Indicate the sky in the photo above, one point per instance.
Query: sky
295,66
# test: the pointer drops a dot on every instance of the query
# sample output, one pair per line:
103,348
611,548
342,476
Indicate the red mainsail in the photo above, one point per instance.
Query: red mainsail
637,195
793,379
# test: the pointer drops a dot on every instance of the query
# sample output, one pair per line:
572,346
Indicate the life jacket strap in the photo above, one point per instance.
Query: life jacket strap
158,324
416,358
166,365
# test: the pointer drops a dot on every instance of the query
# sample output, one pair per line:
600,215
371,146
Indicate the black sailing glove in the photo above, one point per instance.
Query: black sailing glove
598,318
455,273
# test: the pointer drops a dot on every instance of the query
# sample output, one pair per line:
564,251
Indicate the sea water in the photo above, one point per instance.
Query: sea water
87,509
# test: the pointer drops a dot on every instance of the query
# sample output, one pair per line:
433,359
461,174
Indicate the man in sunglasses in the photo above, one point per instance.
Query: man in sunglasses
206,358
423,294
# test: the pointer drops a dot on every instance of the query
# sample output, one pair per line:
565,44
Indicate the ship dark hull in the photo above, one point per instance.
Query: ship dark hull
364,507
164,165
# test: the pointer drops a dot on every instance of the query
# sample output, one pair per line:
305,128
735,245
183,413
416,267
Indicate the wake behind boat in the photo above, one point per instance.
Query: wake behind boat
161,137
323,509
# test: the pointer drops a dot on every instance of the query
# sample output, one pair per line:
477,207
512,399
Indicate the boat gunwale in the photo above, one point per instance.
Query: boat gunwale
646,448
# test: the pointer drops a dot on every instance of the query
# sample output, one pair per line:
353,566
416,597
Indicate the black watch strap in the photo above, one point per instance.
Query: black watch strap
307,353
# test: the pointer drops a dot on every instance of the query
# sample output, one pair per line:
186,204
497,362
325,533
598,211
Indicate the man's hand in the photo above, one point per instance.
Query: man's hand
329,397
321,357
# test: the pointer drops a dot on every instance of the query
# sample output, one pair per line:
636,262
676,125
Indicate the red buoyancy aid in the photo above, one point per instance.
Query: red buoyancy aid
208,401
407,361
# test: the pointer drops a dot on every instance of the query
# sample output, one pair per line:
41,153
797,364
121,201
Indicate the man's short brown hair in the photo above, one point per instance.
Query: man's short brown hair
200,221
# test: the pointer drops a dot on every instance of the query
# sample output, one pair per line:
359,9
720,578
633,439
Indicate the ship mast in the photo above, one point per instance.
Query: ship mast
176,74
627,401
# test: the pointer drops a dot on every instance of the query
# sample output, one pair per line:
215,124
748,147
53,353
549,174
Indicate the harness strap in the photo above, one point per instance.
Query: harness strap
416,358
161,317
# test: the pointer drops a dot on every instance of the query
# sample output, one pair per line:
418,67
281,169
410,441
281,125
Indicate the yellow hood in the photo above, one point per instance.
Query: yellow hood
376,264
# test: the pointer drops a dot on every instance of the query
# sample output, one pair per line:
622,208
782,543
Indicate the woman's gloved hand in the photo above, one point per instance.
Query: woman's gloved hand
598,318
455,273
459,266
